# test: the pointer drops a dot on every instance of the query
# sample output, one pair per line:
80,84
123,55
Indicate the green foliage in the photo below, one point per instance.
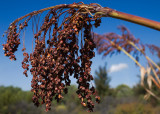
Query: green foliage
102,81
140,91
123,91
10,97
15,101
71,96
134,108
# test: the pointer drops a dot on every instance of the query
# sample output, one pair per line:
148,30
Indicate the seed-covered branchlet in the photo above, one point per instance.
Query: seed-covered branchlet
84,91
58,54
13,42
25,64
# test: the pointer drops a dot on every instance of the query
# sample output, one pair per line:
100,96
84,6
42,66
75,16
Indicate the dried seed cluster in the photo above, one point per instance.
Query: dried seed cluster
58,55
13,39
109,43
154,49
12,44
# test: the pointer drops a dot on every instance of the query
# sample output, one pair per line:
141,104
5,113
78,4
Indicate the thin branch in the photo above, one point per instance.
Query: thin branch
154,72
155,82
149,59
104,12
125,52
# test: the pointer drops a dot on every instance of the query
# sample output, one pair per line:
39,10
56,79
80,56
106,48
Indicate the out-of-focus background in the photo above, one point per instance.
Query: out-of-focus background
117,82
119,100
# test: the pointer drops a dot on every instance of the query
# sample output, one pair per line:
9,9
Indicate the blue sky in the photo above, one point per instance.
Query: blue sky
11,72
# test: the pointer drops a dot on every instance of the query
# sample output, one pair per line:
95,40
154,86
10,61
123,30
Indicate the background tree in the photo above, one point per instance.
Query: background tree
123,91
102,81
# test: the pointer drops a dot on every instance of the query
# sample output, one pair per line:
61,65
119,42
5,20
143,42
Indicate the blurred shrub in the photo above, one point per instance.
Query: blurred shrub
123,91
134,108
